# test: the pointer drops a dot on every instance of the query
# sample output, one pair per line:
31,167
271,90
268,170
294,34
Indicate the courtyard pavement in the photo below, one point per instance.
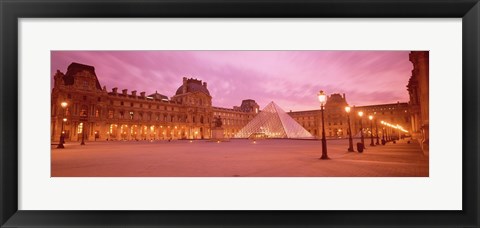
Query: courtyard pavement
236,158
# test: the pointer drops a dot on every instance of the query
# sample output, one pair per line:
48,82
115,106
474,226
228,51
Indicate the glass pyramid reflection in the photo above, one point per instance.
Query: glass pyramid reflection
273,122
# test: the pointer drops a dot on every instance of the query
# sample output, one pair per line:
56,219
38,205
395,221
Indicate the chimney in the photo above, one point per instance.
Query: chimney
205,84
114,90
344,96
125,91
185,82
134,93
142,94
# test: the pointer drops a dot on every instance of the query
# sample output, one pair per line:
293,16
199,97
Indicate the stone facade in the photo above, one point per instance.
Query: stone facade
96,114
336,121
418,90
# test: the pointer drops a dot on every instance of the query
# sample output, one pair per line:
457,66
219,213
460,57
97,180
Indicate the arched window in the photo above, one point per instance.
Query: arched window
83,111
80,128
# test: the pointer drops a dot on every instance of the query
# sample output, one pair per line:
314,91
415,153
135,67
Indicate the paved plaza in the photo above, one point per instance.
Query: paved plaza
236,158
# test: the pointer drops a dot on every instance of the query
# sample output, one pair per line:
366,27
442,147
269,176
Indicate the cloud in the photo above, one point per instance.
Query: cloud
290,78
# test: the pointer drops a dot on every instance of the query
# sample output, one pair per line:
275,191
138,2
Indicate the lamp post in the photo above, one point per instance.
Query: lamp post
370,117
350,141
389,135
399,132
392,134
83,134
376,129
62,134
323,99
360,113
383,132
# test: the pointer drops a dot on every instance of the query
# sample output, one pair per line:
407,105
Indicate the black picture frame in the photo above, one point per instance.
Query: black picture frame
11,11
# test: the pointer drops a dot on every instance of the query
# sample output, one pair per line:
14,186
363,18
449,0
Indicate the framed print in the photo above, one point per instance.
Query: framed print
267,113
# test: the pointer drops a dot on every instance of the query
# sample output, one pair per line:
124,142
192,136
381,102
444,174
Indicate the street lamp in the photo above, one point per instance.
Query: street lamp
350,141
360,113
370,117
62,133
83,134
399,132
383,132
387,136
322,98
376,129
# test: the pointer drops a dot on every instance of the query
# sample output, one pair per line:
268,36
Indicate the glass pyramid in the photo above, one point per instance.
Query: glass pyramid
273,122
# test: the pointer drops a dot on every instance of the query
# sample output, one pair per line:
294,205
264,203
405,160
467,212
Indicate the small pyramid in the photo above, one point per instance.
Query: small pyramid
274,123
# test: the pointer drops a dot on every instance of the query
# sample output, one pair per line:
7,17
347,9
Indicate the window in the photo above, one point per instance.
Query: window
83,112
84,98
110,114
131,104
80,128
131,115
99,99
97,113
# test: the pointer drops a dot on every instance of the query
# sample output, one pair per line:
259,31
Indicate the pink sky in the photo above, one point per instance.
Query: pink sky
290,78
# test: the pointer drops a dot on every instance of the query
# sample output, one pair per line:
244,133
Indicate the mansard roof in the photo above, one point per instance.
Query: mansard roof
75,68
158,96
193,85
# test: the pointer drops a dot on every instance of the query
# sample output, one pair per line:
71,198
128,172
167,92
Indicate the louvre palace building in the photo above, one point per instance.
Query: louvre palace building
93,113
